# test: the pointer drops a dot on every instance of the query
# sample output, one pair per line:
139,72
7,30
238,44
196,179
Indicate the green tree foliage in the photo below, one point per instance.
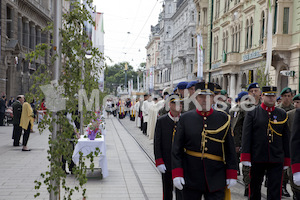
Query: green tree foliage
74,45
261,78
115,76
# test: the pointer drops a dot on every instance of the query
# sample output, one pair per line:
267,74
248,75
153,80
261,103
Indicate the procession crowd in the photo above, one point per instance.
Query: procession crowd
201,136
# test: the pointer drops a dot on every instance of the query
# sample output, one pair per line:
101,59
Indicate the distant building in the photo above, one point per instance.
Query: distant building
177,43
152,59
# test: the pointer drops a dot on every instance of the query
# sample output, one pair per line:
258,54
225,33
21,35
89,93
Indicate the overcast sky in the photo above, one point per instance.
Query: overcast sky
127,26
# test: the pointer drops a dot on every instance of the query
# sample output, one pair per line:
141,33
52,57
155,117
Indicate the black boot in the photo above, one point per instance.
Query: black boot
246,193
285,193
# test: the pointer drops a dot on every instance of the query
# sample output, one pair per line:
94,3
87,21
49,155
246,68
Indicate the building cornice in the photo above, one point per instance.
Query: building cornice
261,1
216,29
225,23
37,8
181,8
246,10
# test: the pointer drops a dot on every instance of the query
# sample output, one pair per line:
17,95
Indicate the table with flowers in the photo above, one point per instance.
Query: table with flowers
89,142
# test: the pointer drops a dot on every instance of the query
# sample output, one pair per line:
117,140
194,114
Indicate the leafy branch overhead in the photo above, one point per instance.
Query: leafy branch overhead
74,46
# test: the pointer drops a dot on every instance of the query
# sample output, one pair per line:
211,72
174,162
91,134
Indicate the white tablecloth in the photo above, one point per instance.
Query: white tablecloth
87,146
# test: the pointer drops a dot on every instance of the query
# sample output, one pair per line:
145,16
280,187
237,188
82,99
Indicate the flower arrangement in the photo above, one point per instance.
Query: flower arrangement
93,130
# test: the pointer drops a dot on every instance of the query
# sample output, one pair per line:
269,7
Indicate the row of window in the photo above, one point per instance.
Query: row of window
236,34
163,76
29,34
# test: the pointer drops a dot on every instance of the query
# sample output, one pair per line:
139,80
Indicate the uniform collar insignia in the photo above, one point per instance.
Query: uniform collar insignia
266,108
205,114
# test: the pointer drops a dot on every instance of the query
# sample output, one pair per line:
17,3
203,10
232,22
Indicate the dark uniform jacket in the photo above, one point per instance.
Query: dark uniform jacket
263,146
295,143
237,114
291,115
163,141
17,111
202,172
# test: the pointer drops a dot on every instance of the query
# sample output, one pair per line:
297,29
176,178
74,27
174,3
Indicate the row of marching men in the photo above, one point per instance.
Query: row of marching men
197,151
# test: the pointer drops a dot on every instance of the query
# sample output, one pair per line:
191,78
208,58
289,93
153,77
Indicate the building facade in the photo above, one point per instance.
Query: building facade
22,24
177,44
234,37
152,58
21,30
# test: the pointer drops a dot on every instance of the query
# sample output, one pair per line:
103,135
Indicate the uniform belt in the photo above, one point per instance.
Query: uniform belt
203,155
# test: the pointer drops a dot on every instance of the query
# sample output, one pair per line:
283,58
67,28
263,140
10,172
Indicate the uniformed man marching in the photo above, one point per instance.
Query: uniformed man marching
203,153
191,89
295,150
237,114
265,145
291,123
287,105
163,138
286,99
254,90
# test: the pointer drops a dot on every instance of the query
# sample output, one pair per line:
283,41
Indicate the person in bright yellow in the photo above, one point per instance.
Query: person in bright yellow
26,123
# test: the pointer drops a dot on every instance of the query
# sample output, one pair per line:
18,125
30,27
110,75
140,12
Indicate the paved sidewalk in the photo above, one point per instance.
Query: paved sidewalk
131,173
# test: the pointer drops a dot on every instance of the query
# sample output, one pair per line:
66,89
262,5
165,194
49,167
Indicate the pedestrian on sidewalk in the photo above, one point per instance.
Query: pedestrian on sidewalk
2,109
17,111
11,101
26,122
75,125
203,152
163,140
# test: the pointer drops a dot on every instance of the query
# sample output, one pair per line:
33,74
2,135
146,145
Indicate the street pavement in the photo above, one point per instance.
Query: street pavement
132,173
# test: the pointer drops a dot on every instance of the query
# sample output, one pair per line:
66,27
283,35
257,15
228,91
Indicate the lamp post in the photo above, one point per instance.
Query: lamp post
126,68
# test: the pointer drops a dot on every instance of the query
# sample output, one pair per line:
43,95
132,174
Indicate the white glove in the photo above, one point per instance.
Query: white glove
296,178
246,163
230,183
162,168
285,167
178,182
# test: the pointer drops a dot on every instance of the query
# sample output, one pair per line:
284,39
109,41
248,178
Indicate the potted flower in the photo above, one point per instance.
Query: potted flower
93,130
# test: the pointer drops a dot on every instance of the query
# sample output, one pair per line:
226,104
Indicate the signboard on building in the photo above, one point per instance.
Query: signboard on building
252,55
287,73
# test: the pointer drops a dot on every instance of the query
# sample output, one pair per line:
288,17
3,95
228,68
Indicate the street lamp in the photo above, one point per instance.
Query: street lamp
126,68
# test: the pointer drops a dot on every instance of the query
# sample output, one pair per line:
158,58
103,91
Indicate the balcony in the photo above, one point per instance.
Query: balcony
181,54
191,51
280,42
